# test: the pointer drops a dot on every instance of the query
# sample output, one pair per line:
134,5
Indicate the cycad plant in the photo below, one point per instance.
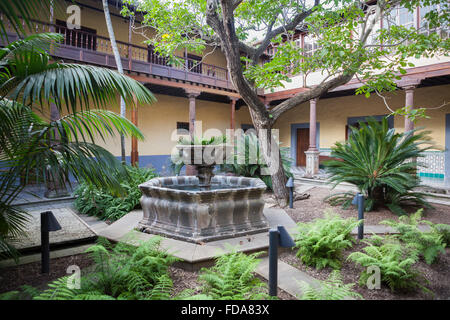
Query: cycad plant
49,148
382,164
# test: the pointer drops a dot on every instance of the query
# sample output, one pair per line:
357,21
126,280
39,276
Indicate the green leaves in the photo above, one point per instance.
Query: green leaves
121,272
107,205
381,163
394,260
429,244
320,243
233,278
331,289
50,150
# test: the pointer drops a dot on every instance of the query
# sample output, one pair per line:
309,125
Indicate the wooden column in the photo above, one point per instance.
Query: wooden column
192,95
312,125
312,154
409,105
134,142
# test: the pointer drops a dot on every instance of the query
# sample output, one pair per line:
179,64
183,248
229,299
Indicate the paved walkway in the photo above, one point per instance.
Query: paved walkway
288,277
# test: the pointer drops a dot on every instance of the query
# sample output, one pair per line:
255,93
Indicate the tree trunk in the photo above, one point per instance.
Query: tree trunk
272,156
116,53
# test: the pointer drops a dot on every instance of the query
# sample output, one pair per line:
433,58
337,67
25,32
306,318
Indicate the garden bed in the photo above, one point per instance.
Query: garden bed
438,274
12,278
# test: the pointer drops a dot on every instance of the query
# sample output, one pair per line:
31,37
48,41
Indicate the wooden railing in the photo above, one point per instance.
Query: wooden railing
88,47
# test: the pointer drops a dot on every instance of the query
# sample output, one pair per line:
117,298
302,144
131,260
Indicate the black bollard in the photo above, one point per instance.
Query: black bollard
277,237
48,223
273,262
360,216
290,185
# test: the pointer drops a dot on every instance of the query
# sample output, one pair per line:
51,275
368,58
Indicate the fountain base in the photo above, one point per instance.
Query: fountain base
177,207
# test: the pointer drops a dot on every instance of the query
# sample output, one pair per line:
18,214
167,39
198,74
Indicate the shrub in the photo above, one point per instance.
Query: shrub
382,164
429,244
231,278
395,261
250,162
121,272
107,205
320,243
444,231
331,289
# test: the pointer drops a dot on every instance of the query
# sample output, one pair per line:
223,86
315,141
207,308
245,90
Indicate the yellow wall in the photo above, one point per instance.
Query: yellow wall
158,122
332,114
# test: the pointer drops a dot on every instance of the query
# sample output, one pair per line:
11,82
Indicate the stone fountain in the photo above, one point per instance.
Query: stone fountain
204,207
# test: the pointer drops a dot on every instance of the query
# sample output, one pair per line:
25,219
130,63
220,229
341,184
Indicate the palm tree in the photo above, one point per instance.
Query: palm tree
112,39
51,149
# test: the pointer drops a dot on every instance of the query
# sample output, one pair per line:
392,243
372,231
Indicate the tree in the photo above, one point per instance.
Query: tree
349,45
30,144
112,39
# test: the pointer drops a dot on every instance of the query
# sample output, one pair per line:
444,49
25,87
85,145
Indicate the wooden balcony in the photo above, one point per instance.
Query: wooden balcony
89,48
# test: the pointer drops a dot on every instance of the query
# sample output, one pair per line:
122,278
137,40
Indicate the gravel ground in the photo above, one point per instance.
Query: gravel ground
313,207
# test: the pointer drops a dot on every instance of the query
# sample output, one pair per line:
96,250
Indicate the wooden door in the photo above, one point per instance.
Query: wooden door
302,146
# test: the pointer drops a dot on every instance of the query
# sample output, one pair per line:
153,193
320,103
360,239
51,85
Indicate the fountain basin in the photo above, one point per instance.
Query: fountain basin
178,208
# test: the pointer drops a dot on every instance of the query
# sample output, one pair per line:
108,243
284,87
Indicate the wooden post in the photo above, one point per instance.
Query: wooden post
312,154
312,125
134,142
192,95
409,104
129,46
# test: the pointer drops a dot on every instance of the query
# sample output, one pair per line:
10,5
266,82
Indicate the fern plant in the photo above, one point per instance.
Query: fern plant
320,243
395,261
106,205
429,244
120,272
331,289
232,278
382,164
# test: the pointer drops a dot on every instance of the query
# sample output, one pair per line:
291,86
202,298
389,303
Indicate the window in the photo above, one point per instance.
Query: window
424,23
84,37
311,46
182,127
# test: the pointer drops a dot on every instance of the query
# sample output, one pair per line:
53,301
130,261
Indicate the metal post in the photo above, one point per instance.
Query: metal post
291,197
45,244
360,216
273,261
290,185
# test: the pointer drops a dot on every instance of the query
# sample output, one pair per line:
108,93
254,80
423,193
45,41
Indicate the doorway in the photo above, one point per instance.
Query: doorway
302,146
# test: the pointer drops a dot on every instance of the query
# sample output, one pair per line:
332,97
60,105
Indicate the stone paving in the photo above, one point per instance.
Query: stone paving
73,229
34,194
